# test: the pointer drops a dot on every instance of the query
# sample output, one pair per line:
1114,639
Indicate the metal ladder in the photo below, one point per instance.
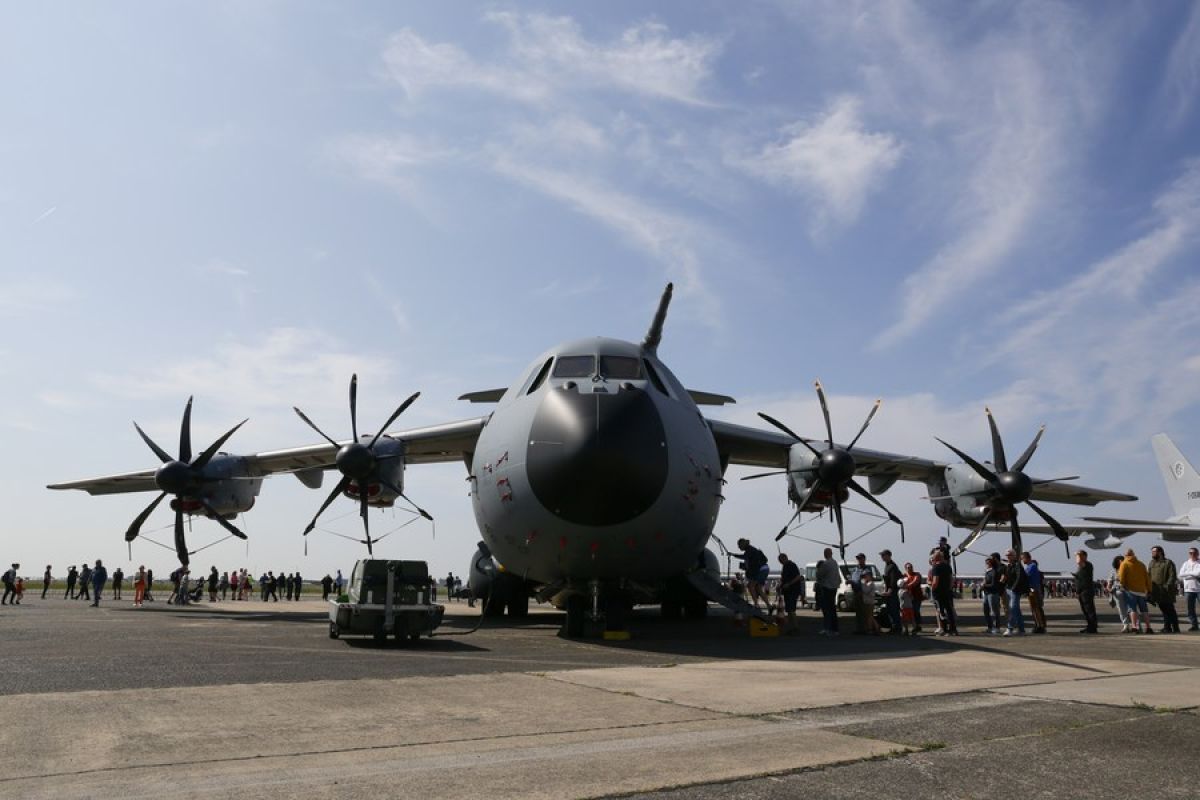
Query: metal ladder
711,588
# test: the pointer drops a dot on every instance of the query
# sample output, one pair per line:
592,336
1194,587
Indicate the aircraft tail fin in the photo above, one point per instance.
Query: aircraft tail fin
1180,477
654,335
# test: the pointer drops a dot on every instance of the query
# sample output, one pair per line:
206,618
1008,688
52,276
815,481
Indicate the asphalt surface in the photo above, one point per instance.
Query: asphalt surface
982,743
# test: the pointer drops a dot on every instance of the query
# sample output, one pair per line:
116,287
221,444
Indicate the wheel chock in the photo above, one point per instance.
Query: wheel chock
760,629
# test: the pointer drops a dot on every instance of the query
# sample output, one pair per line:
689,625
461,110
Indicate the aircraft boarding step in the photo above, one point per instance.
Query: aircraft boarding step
711,588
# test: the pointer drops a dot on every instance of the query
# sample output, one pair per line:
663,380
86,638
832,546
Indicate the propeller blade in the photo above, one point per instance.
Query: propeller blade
224,523
863,429
789,432
973,535
313,425
837,513
203,459
363,509
825,412
158,451
392,418
812,489
1058,529
998,457
783,531
1015,527
856,487
983,471
354,410
180,541
135,527
420,510
341,487
1041,481
185,434
1024,459
776,472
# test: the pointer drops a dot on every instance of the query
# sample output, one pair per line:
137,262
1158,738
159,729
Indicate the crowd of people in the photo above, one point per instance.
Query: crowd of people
1010,585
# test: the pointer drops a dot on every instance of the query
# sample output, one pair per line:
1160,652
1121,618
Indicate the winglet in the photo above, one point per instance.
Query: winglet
654,335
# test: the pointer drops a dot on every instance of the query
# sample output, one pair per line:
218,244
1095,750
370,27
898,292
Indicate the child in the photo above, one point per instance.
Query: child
868,600
20,590
907,617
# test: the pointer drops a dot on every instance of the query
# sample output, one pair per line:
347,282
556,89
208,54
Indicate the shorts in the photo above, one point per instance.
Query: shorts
760,577
1136,602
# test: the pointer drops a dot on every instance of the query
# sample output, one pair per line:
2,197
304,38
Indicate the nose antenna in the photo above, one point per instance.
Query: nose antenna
654,335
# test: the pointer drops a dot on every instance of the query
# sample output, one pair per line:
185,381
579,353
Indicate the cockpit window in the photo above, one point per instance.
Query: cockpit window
540,378
575,366
620,368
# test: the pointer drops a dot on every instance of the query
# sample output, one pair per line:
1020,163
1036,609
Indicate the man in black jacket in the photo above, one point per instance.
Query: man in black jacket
1085,589
754,561
891,585
1016,582
72,576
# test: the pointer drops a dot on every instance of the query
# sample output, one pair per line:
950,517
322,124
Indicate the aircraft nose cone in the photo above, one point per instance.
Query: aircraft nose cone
356,460
1016,487
597,459
172,477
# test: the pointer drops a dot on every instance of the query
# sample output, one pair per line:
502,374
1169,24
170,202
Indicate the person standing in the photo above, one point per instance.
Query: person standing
1034,576
1164,585
118,580
1136,581
1017,583
299,584
1116,594
85,582
338,583
72,577
139,586
449,586
892,588
214,578
290,585
912,584
828,581
861,613
1085,590
99,578
223,585
789,589
1189,573
46,580
10,586
758,569
941,581
326,587
991,596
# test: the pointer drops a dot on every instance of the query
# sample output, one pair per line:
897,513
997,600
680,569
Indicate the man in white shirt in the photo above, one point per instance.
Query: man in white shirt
828,580
1189,573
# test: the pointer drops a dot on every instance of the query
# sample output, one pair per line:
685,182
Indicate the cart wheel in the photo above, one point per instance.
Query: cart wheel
333,631
414,637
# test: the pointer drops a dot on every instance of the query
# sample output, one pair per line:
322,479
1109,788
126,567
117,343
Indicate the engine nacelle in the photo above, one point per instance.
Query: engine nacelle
800,493
1110,542
389,469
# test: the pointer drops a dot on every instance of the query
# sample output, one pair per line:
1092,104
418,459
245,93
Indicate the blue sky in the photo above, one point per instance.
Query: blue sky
944,204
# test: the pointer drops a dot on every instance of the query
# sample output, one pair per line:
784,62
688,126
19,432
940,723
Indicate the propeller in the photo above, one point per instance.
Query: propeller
1009,486
834,468
358,463
183,477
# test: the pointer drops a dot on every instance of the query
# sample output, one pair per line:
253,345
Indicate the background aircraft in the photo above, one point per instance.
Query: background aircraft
596,482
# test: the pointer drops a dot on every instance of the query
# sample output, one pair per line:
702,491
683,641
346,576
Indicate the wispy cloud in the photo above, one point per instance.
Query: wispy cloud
832,159
44,215
34,295
549,55
1183,69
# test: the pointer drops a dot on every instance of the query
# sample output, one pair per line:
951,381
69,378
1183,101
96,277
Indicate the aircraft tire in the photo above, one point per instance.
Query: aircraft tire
518,604
671,608
576,616
495,601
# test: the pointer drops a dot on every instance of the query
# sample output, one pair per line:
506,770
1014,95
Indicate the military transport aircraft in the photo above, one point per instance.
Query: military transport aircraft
1183,489
596,481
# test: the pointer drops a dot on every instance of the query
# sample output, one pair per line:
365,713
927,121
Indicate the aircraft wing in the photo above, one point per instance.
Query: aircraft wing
1121,529
763,448
450,441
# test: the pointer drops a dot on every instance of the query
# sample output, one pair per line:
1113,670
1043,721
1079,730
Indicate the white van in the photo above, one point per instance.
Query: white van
844,592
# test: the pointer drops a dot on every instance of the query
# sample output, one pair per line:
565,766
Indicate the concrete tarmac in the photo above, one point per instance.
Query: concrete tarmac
255,700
